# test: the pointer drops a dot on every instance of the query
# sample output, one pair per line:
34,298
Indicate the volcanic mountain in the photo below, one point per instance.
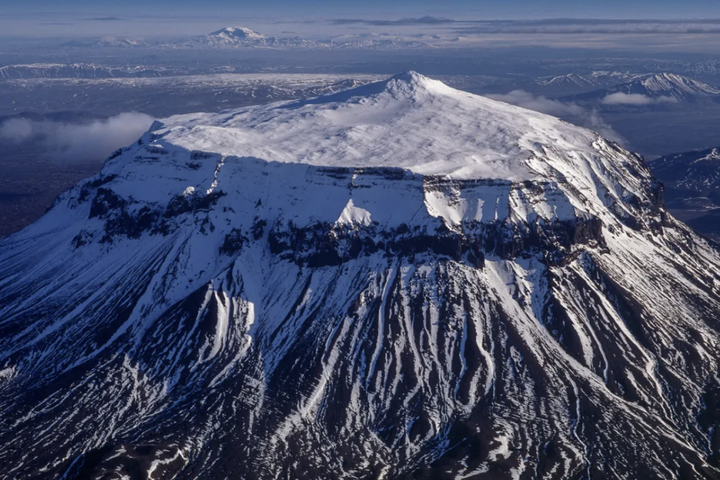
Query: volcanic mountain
397,281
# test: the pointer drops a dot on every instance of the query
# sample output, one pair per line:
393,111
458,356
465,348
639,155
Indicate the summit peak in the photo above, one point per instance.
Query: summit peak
415,81
410,76
407,121
239,32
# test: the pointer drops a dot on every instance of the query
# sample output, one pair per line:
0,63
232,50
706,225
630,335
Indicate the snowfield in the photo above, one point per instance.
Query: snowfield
409,122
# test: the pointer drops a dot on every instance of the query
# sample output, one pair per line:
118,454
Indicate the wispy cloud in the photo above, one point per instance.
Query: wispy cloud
550,26
105,19
585,26
620,98
92,141
426,20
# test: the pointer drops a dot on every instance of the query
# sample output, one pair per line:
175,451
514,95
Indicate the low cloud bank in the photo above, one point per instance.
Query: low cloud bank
620,98
78,142
426,20
588,26
551,25
567,111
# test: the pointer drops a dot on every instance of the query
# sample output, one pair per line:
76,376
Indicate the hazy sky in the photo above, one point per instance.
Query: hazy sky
145,18
488,8
671,9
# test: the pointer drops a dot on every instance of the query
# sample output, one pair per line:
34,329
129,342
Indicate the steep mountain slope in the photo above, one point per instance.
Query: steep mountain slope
657,88
397,281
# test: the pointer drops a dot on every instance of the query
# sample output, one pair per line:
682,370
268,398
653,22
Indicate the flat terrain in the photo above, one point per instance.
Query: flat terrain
29,183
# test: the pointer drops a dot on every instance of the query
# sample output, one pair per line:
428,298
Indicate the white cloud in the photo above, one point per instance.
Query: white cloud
542,104
78,142
620,98
571,112
16,129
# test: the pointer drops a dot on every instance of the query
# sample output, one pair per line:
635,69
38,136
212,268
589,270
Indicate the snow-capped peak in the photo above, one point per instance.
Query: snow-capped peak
408,121
677,85
413,81
238,32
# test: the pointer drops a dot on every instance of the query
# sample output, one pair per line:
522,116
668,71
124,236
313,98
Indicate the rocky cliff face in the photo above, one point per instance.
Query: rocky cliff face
231,297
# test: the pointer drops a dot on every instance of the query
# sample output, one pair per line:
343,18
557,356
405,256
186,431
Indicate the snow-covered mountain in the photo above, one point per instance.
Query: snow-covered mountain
376,41
108,42
241,37
569,80
401,280
692,184
572,83
84,70
695,171
120,43
232,35
668,84
662,87
593,79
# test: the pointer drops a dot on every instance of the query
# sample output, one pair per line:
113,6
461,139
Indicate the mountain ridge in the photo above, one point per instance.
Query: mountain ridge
659,87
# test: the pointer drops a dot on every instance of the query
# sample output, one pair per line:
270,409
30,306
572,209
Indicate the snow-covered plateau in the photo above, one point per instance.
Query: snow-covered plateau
397,281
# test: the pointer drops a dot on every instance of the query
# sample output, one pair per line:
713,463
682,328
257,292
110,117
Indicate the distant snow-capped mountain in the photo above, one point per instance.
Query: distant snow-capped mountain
84,70
668,84
692,185
696,171
237,34
245,38
571,79
593,79
376,42
401,280
241,37
108,43
120,43
655,88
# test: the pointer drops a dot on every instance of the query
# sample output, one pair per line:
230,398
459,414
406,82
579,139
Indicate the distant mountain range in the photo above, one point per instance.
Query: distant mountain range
594,79
651,89
85,70
241,37
245,38
108,43
692,187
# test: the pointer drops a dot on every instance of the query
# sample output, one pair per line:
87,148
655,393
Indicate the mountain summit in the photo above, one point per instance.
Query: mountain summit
401,280
242,37
231,34
408,121
661,87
